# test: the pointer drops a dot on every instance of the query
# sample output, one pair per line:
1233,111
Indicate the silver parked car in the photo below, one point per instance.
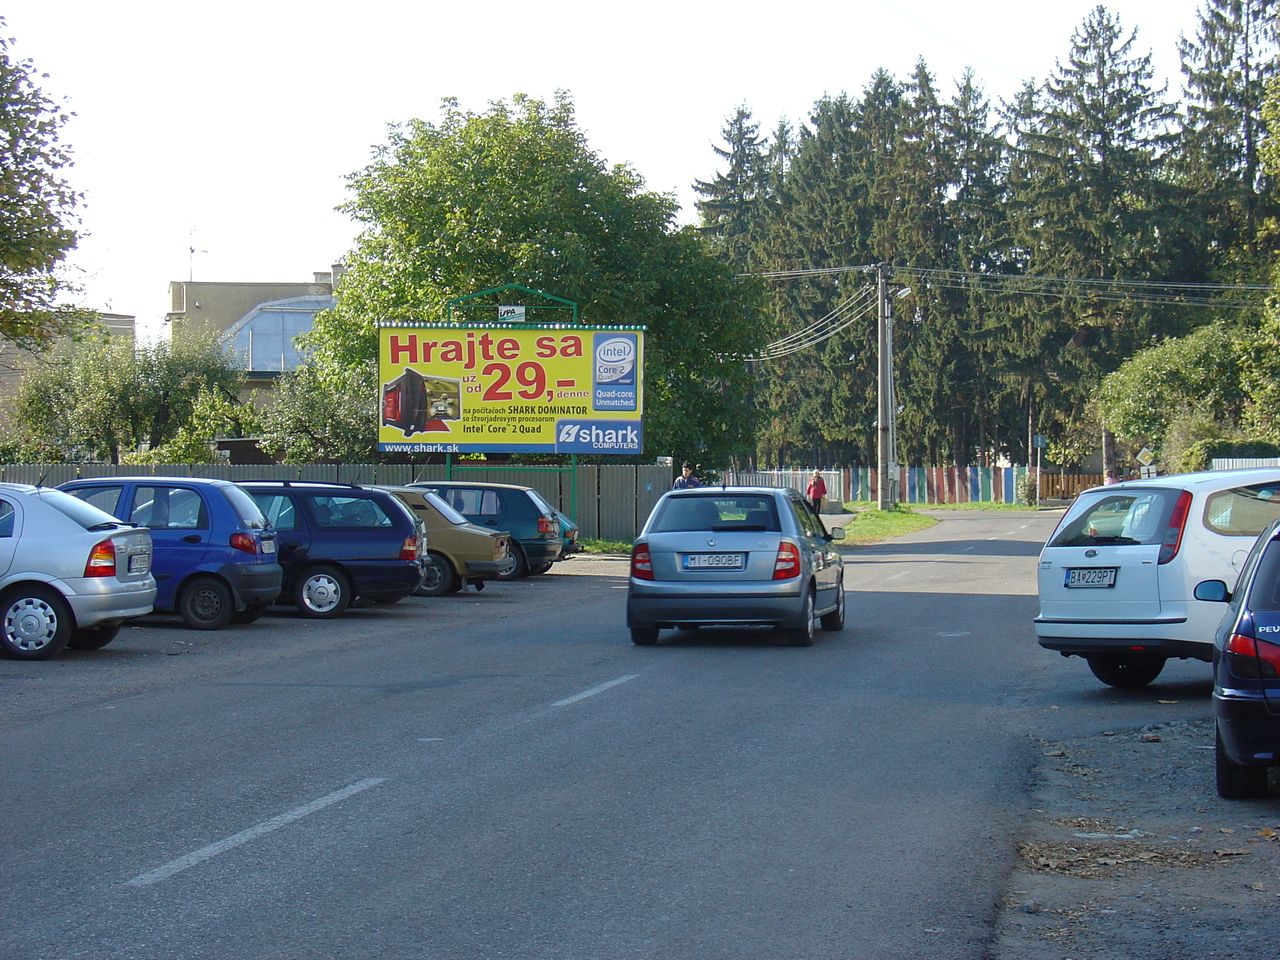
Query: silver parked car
69,573
735,555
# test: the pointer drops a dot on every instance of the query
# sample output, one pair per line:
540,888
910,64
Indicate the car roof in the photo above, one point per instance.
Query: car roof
702,491
468,483
1210,479
21,487
305,485
198,481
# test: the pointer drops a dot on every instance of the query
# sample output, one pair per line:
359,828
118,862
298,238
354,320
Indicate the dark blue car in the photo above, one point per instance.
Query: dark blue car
213,554
1246,671
340,541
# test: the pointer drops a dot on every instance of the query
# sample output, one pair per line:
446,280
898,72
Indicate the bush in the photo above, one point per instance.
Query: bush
1201,454
1026,488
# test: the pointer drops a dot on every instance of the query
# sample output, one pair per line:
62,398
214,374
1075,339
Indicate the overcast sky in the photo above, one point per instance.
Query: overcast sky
231,127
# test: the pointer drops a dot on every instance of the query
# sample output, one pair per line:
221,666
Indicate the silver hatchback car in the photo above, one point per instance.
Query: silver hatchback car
69,573
737,556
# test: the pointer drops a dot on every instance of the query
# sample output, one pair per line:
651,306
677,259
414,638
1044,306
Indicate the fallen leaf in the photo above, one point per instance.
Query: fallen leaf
1226,830
1231,853
1257,886
1151,738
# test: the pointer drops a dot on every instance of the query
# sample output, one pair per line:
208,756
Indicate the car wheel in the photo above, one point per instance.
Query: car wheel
517,566
93,638
802,635
1126,670
37,623
321,592
540,568
644,636
250,614
1236,781
835,619
205,604
440,577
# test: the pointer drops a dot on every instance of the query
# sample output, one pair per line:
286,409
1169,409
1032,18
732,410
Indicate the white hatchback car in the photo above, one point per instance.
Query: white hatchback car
1118,575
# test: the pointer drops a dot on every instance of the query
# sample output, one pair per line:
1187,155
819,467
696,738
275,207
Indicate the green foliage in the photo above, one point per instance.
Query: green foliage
101,398
38,211
213,415
1199,373
1026,487
1260,371
1201,454
515,195
323,413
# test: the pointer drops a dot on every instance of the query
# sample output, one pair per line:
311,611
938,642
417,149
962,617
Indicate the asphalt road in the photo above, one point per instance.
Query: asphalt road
503,774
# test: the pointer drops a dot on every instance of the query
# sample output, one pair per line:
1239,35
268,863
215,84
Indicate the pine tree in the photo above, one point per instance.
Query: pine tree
729,203
1088,202
1226,68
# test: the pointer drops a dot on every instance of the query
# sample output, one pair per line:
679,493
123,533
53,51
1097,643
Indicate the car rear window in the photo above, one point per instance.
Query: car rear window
446,511
1265,594
716,513
85,514
1126,518
1242,511
245,508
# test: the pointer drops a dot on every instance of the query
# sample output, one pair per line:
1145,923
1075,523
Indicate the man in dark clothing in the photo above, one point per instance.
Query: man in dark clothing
686,480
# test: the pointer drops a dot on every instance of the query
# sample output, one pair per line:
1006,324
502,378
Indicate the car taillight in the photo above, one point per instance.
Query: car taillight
641,565
787,564
409,549
102,560
244,543
547,525
1252,659
1173,533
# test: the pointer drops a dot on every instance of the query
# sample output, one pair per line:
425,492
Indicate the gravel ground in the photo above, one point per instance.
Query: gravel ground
1131,854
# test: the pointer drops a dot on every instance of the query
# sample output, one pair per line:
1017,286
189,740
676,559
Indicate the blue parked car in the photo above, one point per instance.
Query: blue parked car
213,553
339,541
1246,671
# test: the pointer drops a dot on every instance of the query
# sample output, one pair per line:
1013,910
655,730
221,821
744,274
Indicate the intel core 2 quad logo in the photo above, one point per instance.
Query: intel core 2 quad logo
613,380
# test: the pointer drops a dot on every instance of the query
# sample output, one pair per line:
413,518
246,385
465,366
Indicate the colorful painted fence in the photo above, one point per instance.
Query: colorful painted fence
926,484
943,484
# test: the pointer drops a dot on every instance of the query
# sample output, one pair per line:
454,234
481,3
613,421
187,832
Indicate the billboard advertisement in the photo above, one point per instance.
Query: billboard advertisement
467,388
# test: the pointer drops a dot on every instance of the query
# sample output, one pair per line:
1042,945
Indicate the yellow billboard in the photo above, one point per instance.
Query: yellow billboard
492,388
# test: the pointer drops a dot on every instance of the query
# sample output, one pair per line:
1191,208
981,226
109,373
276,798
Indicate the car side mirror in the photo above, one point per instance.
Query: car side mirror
835,533
1212,591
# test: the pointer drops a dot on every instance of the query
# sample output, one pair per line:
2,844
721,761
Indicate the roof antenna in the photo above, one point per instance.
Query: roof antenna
40,482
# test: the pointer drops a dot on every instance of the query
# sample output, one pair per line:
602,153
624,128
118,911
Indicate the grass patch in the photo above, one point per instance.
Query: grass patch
605,546
869,525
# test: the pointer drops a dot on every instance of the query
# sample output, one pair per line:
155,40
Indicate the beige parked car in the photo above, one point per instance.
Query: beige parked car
458,551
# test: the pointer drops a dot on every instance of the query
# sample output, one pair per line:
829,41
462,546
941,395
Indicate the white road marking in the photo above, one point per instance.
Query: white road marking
594,690
244,836
955,633
903,573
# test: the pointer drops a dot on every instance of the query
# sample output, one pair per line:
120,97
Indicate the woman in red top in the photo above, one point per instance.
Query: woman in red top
816,490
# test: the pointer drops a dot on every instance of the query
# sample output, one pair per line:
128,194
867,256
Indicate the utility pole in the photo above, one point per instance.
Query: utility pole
884,398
